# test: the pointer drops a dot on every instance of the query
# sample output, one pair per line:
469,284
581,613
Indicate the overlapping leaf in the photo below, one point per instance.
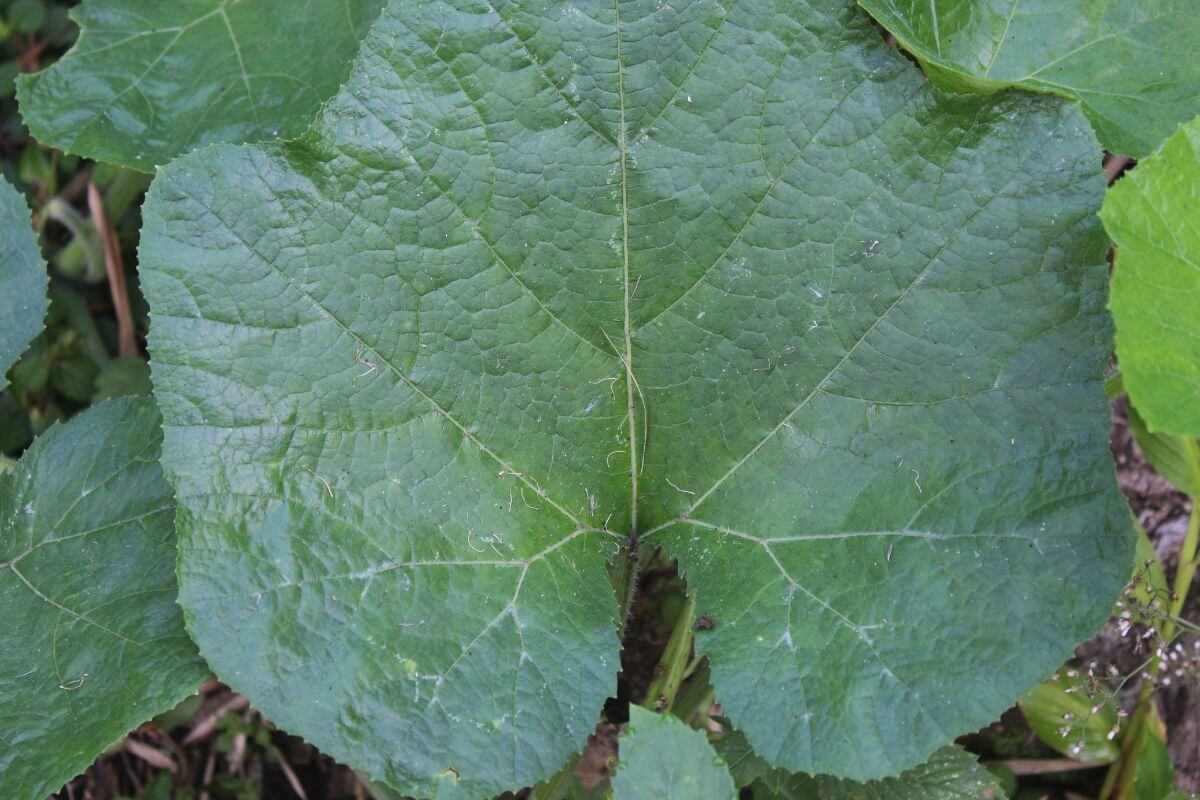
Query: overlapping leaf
1151,215
91,641
150,81
1130,62
733,278
22,280
664,759
951,774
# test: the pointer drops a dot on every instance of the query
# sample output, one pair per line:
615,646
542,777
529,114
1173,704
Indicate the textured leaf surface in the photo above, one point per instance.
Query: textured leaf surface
1130,62
951,774
1151,215
540,277
149,81
91,640
664,759
23,279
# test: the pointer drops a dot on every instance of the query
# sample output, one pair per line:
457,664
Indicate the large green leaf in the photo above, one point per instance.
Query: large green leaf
23,279
148,81
91,641
951,774
1151,215
1130,62
542,277
664,759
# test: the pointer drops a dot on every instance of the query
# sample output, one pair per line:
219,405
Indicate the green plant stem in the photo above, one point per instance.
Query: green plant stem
1185,572
1118,783
90,266
625,580
697,698
668,674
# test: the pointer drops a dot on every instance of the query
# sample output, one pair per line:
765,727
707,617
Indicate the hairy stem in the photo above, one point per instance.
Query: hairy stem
625,582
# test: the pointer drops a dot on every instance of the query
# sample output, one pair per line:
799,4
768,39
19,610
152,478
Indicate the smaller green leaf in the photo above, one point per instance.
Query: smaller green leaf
122,376
744,764
1151,215
91,641
148,82
75,377
951,774
27,16
1075,723
14,424
1128,62
1154,777
1176,458
1004,776
663,758
23,279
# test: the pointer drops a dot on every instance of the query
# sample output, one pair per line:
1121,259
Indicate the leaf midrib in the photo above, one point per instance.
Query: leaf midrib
633,422
629,379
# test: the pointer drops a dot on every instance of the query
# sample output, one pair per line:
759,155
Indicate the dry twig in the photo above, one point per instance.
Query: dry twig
115,267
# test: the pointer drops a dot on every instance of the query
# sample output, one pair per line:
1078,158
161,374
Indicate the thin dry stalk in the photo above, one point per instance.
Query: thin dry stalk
1044,766
151,755
1114,166
114,265
132,773
292,778
209,767
207,724
237,754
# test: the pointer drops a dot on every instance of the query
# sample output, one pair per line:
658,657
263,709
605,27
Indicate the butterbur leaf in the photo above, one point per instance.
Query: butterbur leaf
1127,61
23,279
664,759
743,763
1068,718
950,774
1176,458
91,641
147,82
740,282
1150,214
